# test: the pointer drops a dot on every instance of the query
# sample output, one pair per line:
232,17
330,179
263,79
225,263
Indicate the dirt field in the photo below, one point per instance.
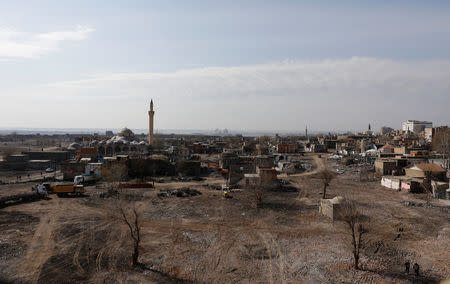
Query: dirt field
211,239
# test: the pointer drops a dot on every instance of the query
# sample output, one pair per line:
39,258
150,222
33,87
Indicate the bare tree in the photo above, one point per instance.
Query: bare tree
123,211
325,176
258,194
353,219
363,173
114,175
8,151
138,168
441,143
303,184
131,216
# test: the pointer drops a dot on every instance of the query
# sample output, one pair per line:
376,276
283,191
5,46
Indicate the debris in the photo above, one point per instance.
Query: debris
417,204
213,186
286,188
178,192
195,178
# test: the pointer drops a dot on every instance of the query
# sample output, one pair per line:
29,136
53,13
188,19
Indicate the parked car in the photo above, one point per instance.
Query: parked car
49,170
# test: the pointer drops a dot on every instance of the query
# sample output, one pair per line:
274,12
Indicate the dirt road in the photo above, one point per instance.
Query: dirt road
41,246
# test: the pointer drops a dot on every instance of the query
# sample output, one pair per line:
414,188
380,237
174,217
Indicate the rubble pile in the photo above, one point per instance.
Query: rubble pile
417,204
213,186
178,192
307,167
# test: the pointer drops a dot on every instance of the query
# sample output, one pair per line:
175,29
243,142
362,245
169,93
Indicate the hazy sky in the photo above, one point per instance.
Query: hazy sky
250,65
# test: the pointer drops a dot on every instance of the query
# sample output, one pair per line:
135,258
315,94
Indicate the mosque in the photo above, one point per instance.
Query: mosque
125,142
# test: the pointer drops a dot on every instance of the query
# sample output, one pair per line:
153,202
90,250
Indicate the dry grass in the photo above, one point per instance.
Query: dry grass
210,239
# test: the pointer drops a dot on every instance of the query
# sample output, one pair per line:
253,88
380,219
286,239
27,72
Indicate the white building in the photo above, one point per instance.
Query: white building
416,126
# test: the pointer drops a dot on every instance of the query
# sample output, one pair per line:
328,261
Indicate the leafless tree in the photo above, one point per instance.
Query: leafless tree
131,215
383,139
354,220
258,195
441,143
303,184
363,173
8,151
138,168
325,176
114,175
263,140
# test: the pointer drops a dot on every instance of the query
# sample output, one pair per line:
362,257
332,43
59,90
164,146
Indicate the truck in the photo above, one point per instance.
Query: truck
64,189
84,179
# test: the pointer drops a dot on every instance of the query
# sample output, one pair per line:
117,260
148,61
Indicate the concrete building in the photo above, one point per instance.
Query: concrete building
287,148
429,134
402,183
385,166
244,164
387,149
416,126
427,170
264,177
54,156
318,148
70,169
332,207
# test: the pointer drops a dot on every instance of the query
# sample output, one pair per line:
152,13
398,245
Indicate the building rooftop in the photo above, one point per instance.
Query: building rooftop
388,146
428,167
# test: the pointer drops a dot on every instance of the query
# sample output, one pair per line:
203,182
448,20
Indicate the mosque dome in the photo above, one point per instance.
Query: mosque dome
119,139
74,146
125,132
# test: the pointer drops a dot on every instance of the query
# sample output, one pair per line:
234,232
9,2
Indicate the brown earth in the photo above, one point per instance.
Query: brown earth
211,239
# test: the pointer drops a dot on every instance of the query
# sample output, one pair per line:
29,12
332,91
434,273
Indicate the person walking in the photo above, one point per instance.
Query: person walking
416,269
407,265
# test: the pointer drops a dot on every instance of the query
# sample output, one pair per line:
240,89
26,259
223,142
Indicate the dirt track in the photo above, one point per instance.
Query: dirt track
42,245
211,239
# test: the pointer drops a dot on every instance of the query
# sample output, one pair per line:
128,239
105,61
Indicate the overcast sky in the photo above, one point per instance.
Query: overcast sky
242,65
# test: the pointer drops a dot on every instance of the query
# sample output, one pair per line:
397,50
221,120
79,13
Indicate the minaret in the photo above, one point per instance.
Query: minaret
151,114
306,132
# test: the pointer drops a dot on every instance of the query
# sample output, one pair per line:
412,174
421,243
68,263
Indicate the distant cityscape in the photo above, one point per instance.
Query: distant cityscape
205,142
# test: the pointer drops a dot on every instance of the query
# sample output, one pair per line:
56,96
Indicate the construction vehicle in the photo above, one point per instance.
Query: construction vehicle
227,194
64,189
84,179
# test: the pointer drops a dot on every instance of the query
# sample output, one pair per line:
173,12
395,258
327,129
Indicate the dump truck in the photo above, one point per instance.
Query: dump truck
64,189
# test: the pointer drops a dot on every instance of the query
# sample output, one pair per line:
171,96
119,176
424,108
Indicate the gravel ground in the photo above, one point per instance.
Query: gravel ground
210,239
